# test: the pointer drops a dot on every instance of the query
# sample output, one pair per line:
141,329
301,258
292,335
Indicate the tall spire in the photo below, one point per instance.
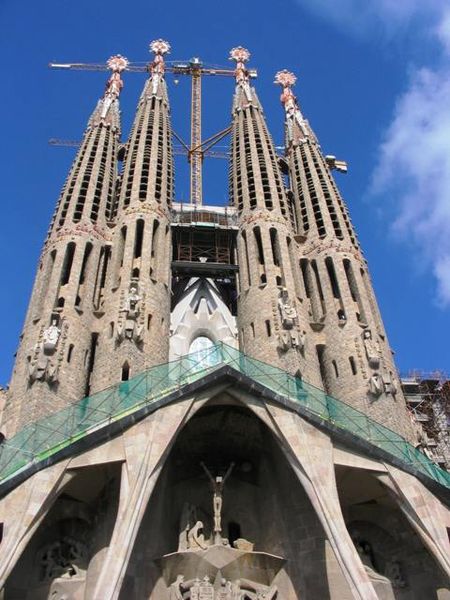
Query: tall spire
60,325
271,322
137,302
88,195
296,127
148,165
346,327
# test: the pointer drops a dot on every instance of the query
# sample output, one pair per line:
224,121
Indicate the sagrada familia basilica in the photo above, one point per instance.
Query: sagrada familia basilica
204,403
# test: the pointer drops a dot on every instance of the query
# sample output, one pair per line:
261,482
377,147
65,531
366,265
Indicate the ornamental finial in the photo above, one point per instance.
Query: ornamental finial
240,55
293,115
159,48
114,85
287,79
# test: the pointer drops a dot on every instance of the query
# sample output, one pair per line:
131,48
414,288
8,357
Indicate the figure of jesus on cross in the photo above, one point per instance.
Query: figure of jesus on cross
217,485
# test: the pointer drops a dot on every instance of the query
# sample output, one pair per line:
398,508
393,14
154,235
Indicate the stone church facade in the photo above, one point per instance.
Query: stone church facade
204,403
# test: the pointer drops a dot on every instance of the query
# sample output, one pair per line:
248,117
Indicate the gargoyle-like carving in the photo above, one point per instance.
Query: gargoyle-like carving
131,325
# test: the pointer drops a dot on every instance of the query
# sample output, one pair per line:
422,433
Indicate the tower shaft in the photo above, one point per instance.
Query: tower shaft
52,366
345,324
135,326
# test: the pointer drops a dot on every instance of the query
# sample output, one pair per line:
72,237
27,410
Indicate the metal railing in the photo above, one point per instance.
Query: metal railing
46,437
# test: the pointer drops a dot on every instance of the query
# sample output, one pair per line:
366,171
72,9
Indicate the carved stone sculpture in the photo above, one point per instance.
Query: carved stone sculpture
217,484
376,385
372,352
394,573
243,544
43,360
130,325
289,337
175,590
196,538
63,558
188,519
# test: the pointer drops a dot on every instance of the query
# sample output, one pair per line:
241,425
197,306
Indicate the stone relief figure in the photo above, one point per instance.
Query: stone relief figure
372,351
176,588
217,485
50,337
188,518
43,360
130,325
389,384
393,571
288,312
196,539
224,592
63,558
289,336
376,385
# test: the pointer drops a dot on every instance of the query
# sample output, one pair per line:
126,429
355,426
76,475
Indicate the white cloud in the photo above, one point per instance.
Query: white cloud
386,16
413,170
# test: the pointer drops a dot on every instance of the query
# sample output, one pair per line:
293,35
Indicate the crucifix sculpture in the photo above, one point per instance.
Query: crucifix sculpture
217,485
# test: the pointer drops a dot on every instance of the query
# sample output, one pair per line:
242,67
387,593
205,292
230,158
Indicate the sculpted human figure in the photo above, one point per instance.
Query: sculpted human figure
373,356
287,310
50,337
217,485
376,385
176,589
196,539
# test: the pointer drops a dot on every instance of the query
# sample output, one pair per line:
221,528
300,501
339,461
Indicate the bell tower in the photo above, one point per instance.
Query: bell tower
57,346
344,320
271,318
135,332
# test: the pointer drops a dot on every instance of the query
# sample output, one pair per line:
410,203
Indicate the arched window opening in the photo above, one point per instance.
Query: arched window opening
352,365
125,375
67,264
138,238
259,245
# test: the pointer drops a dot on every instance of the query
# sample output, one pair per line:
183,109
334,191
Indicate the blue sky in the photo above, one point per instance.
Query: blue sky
374,81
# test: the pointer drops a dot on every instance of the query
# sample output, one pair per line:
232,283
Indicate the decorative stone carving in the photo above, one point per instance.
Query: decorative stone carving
394,573
64,558
196,539
175,590
217,485
372,349
188,519
131,318
376,385
45,357
243,544
288,336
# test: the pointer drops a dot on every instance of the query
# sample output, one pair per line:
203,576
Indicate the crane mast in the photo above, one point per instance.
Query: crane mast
195,155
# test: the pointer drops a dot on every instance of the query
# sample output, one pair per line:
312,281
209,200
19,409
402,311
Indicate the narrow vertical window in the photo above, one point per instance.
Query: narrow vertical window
90,361
268,328
336,372
352,364
138,238
125,375
333,278
259,245
69,353
68,262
